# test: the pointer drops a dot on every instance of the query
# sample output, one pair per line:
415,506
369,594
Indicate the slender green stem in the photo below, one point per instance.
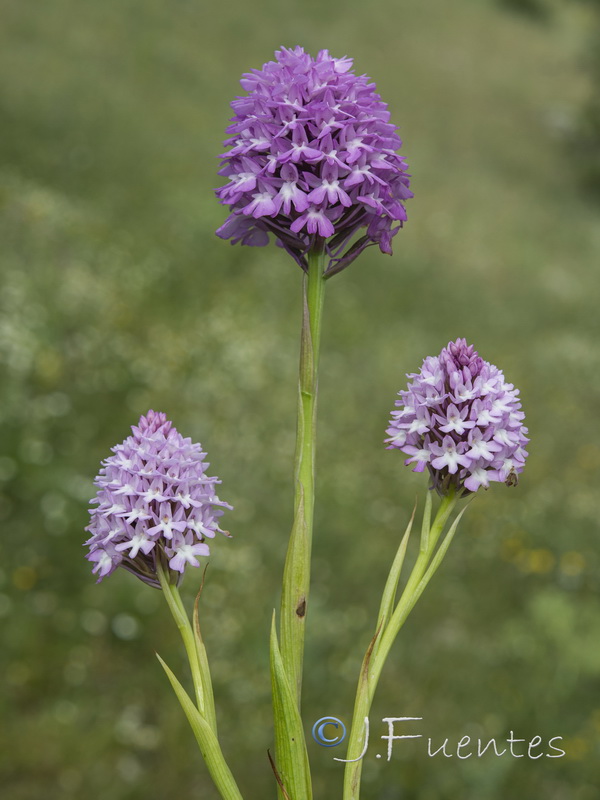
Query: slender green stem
209,698
207,740
173,598
408,600
382,641
202,715
296,577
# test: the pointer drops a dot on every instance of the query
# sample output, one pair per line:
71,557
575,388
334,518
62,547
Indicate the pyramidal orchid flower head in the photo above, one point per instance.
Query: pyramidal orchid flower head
154,501
312,160
462,420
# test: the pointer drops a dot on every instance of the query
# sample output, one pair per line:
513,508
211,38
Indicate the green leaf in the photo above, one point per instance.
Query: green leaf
425,527
388,598
435,561
290,747
207,741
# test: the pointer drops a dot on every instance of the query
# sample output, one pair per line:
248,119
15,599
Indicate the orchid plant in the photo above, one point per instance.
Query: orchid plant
312,164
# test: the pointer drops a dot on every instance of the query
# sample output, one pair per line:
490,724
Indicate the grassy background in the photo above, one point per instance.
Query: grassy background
116,297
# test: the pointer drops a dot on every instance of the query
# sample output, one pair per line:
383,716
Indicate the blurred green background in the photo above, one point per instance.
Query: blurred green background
116,296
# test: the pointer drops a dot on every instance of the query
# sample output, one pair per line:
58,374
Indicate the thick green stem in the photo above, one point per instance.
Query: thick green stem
381,643
296,577
173,598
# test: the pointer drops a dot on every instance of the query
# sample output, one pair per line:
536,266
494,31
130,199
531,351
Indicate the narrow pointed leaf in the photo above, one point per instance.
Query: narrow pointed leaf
290,747
207,741
425,527
388,598
435,561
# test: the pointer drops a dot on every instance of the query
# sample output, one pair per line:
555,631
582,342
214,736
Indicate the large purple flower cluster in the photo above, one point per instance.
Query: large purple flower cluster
461,420
312,156
154,501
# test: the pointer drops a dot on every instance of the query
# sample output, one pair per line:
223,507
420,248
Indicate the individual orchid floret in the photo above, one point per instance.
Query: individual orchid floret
462,420
154,502
312,159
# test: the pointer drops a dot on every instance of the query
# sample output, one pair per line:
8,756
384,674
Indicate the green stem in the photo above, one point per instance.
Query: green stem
296,576
202,715
207,741
408,598
382,642
173,598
